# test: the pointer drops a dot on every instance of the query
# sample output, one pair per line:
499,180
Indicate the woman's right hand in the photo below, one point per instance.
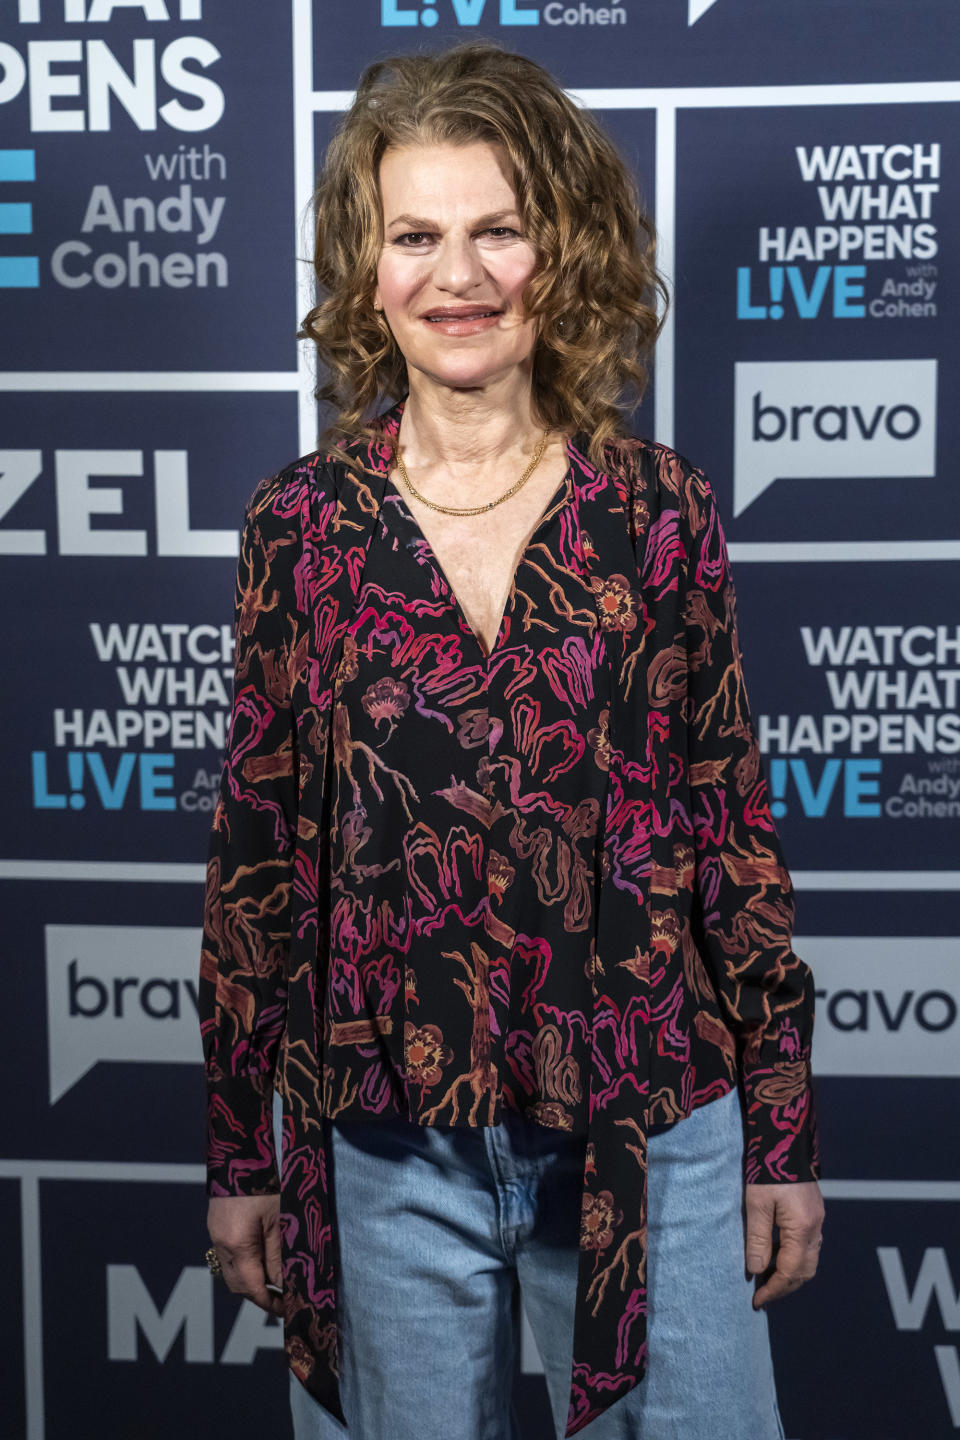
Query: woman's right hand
245,1232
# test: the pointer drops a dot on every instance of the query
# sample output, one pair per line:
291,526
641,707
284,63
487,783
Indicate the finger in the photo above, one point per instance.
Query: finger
796,1262
758,1243
250,1282
272,1251
244,1273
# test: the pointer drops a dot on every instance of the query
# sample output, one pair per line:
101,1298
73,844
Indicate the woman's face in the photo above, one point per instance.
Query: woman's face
454,264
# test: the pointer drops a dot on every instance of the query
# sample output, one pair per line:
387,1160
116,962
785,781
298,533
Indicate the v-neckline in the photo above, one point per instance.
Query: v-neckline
561,496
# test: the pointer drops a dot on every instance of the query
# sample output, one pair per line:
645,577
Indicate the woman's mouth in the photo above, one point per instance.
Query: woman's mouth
462,322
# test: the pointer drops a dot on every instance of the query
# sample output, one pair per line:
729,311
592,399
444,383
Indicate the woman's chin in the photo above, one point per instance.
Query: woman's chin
466,373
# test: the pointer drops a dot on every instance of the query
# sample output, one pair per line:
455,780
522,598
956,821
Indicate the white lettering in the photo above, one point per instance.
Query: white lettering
44,86
131,1310
867,162
948,1363
78,500
178,77
933,1280
106,77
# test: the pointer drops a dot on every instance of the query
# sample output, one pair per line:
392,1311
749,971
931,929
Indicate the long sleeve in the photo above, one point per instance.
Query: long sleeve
246,926
743,902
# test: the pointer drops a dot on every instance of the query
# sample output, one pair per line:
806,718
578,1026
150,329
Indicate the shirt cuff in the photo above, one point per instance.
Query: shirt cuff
241,1157
781,1125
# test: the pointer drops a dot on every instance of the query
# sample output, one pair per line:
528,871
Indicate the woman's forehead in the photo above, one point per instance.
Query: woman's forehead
435,165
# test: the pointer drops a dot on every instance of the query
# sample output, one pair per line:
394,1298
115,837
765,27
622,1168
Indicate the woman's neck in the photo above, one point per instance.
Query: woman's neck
468,433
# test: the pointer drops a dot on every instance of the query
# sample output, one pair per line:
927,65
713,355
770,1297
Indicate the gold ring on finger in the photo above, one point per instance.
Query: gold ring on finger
213,1262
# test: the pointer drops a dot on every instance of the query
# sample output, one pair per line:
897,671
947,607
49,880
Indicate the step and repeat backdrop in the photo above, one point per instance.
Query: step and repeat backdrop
156,163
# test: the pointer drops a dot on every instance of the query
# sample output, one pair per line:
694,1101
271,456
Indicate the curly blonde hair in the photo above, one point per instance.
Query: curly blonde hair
595,285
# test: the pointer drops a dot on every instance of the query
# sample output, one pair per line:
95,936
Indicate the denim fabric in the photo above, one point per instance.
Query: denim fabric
442,1230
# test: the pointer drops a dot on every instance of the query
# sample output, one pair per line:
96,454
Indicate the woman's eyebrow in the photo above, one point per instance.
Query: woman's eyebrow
417,222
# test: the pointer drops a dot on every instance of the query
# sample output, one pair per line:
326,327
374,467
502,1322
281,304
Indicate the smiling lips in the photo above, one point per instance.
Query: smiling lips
475,312
462,322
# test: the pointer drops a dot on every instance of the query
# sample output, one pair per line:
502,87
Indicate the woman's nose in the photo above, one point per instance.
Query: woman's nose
457,266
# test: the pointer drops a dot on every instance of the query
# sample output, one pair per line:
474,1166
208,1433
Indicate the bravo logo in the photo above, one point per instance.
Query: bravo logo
120,992
832,419
517,12
886,1005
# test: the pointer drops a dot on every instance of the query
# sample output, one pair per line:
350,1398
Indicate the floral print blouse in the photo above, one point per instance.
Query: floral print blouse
465,806
466,831
443,884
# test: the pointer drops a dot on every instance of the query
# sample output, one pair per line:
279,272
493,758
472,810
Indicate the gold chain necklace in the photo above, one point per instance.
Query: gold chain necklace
477,509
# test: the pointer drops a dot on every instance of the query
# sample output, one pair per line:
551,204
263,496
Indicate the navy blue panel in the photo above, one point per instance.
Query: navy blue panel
158,1230
111,314
744,296
855,1349
650,42
858,1117
856,803
101,1115
143,805
13,1417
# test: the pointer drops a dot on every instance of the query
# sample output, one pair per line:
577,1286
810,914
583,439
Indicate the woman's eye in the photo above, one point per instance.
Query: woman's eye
413,238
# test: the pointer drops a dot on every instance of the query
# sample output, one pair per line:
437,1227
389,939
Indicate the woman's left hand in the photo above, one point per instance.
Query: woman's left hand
798,1211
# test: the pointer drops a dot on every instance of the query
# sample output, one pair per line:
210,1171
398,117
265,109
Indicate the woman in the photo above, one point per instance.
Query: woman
494,896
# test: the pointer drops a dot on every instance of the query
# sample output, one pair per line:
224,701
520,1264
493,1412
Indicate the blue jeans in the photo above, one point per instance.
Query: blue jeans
442,1230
